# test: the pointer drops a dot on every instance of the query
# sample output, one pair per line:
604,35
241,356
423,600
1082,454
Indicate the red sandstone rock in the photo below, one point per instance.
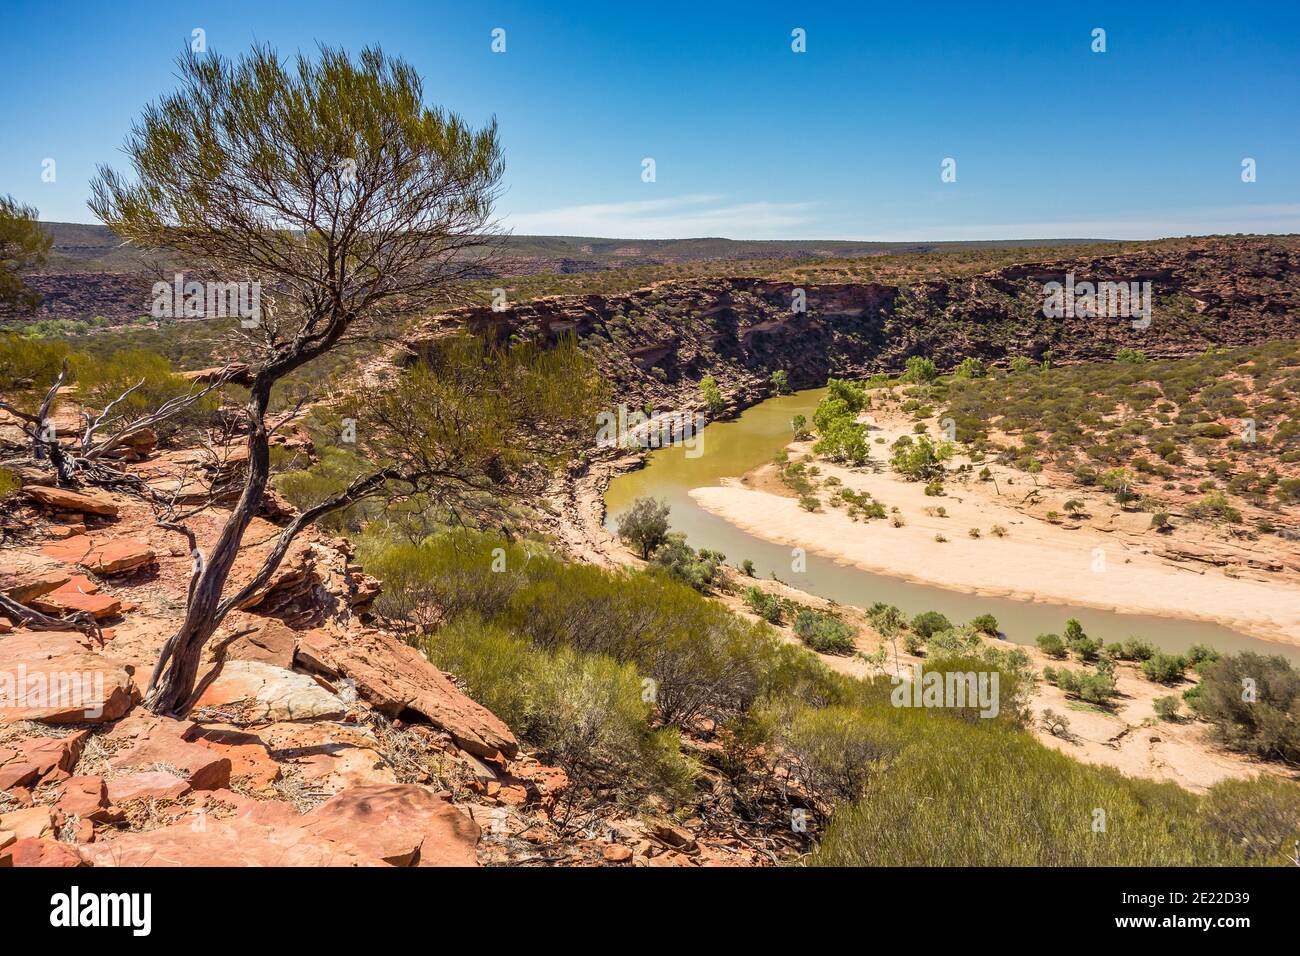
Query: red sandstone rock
37,851
84,797
90,502
395,678
34,578
616,853
269,693
74,688
146,785
114,556
28,822
400,824
199,766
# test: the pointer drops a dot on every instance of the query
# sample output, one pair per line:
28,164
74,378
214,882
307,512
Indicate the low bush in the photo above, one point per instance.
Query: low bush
824,633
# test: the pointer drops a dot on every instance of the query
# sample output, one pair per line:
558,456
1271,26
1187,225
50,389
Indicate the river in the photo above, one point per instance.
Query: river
732,448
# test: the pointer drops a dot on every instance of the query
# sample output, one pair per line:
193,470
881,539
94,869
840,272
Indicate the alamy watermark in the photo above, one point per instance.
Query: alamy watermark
181,299
959,689
1112,300
626,428
64,690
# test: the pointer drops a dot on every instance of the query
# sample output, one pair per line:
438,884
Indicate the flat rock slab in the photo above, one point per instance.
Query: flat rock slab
403,825
200,767
145,785
69,598
40,851
269,693
23,577
106,557
397,825
396,678
74,688
64,499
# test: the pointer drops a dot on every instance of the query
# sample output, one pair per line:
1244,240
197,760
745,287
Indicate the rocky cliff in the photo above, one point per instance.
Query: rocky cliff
656,343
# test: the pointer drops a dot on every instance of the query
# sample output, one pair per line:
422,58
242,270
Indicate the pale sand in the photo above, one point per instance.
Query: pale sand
1036,561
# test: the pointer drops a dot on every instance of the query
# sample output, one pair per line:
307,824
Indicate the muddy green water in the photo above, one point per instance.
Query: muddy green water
732,448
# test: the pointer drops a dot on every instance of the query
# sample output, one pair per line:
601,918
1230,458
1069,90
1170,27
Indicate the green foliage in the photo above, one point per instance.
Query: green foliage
477,424
929,623
959,794
699,569
844,441
767,606
1164,668
920,370
852,394
1266,725
644,525
971,367
1094,687
712,395
833,751
835,418
1051,645
335,467
955,642
1135,649
10,484
920,459
886,619
24,246
586,712
780,381
1261,816
985,624
1166,708
29,364
824,633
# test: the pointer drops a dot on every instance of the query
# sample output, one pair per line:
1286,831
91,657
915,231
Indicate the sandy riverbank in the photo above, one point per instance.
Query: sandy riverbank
1106,561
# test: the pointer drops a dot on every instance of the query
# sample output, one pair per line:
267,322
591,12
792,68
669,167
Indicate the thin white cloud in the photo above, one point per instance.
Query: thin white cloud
679,217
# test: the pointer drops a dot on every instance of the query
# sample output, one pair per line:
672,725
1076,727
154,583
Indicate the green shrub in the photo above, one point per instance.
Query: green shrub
1135,649
152,381
1051,645
824,633
644,525
10,484
767,606
920,370
833,751
930,622
1267,725
712,395
699,569
961,795
29,364
985,624
1166,708
920,459
1261,816
956,641
586,712
1164,668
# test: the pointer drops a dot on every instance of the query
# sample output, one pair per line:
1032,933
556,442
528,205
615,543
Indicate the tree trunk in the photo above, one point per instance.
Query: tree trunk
171,688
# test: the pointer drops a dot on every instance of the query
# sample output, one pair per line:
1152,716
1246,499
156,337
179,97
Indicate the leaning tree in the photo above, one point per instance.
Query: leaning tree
352,203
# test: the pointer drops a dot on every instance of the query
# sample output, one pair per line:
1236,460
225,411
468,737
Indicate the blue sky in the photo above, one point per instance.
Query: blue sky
752,140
